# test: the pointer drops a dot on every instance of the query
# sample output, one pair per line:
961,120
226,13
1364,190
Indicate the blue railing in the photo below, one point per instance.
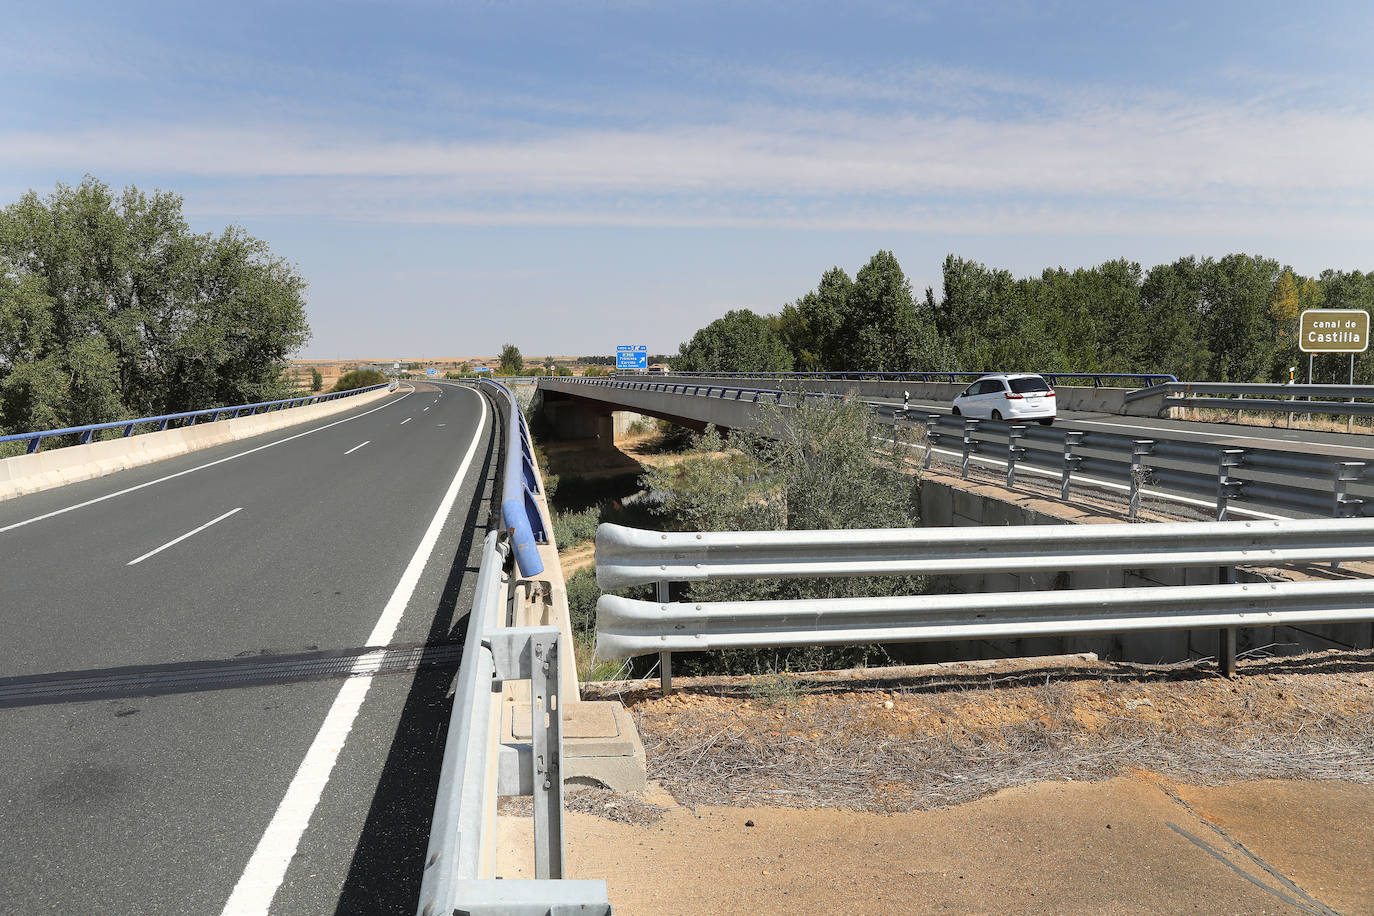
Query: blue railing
953,377
188,418
519,512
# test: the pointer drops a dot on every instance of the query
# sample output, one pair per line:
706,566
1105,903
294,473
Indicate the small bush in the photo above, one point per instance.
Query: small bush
573,528
358,378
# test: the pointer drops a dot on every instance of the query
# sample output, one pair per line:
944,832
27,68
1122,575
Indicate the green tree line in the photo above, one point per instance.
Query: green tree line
111,308
1227,319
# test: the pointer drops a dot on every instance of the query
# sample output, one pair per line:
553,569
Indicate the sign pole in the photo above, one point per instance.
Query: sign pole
1350,420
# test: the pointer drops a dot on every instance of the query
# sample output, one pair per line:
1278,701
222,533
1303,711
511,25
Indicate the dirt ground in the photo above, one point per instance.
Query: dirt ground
1034,786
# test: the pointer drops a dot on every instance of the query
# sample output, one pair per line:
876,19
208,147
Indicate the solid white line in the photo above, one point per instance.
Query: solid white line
267,868
358,446
175,541
405,421
101,499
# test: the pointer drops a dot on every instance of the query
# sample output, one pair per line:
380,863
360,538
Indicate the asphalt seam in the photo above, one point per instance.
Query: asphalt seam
1305,902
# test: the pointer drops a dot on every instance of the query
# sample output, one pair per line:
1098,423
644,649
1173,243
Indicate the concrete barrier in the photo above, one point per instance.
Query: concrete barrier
44,470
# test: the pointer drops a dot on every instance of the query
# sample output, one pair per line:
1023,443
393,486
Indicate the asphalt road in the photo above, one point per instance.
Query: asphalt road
179,730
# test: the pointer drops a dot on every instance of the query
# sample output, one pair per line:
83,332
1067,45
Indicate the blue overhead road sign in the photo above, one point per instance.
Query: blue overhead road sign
632,356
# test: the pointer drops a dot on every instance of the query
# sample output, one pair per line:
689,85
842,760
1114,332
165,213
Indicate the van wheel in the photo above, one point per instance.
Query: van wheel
997,415
954,412
1046,421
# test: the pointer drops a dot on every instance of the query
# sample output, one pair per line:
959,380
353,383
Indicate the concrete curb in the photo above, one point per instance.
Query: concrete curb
45,470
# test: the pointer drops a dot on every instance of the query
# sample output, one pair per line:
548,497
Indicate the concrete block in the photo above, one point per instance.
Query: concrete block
600,743
45,469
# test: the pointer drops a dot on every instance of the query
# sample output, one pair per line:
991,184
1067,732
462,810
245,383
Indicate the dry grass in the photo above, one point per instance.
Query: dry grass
928,742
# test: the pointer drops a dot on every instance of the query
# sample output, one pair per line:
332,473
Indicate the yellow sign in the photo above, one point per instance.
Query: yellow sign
1333,331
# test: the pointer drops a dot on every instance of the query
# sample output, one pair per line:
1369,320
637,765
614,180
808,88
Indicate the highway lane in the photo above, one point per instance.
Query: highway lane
1226,435
157,804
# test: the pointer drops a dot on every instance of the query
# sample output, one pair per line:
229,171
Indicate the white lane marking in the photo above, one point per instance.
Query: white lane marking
174,541
425,409
101,499
358,446
405,421
265,871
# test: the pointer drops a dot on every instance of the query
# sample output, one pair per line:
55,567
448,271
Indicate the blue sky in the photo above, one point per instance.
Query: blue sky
571,176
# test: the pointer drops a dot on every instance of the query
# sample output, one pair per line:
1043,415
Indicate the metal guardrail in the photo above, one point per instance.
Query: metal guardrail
1265,397
953,377
627,627
519,514
187,418
630,556
1291,481
724,392
1199,473
478,768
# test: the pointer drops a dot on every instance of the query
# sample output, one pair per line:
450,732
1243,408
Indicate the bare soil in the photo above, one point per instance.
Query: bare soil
949,734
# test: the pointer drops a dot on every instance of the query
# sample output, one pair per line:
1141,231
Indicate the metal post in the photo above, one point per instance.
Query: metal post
1014,451
1344,506
665,659
970,446
1350,419
1140,449
546,731
932,436
1227,488
1226,641
1071,462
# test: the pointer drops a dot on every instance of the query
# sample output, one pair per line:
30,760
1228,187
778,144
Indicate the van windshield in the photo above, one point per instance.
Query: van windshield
1027,385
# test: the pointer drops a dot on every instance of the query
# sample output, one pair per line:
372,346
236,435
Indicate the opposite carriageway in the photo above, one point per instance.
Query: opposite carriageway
1204,468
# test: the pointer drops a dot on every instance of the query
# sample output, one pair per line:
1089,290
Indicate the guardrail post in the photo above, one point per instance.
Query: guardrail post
1140,449
1014,451
1345,506
1071,462
665,659
932,436
531,653
970,446
1227,489
1226,637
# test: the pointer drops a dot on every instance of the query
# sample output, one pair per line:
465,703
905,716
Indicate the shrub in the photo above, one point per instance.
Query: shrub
358,378
572,528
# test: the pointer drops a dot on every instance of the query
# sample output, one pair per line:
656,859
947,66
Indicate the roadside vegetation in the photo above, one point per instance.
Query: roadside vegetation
358,378
112,308
1226,319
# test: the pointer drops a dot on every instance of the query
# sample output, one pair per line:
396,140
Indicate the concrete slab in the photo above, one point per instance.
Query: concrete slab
601,745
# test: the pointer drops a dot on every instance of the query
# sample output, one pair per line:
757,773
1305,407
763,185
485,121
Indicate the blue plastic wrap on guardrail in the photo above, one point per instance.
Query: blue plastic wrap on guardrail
519,512
86,432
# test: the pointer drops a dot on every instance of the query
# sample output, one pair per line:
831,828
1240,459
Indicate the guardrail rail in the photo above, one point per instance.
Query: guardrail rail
185,419
478,767
628,627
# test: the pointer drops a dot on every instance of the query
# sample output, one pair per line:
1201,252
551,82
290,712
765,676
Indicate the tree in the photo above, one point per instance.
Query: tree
511,360
110,307
316,380
740,341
